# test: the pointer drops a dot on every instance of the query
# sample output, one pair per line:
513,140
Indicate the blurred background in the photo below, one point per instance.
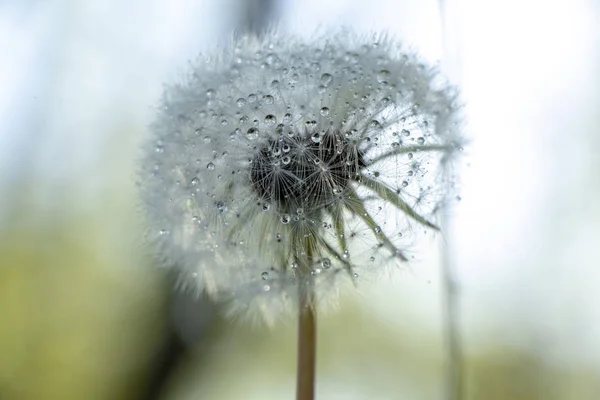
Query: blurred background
85,313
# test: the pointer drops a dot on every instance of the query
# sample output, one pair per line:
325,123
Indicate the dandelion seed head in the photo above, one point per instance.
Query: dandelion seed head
279,161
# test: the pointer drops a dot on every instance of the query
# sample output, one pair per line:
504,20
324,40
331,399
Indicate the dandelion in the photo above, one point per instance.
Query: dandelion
281,169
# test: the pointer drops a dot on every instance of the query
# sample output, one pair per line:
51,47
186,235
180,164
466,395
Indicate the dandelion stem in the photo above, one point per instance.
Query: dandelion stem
307,344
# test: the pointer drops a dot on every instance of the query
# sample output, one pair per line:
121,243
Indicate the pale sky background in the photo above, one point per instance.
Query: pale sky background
525,234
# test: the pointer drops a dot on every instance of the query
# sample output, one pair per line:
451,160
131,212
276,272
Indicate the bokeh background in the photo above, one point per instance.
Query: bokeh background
85,312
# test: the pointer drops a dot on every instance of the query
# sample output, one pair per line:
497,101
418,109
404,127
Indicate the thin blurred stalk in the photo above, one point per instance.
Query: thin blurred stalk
255,16
454,375
307,344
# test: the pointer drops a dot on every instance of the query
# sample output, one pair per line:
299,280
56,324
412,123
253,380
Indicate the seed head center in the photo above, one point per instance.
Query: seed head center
308,171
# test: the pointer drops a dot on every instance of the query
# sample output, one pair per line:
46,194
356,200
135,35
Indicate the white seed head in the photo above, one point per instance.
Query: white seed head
281,161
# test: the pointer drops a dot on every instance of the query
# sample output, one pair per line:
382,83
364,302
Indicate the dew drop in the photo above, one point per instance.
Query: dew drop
294,265
210,166
410,156
163,232
324,111
286,148
300,211
251,97
337,189
406,132
285,219
374,124
252,133
355,275
326,79
266,206
383,75
266,288
316,137
241,102
377,229
210,93
268,99
270,120
221,207
326,263
274,84
264,276
346,255
287,118
286,160
421,140
404,183
194,181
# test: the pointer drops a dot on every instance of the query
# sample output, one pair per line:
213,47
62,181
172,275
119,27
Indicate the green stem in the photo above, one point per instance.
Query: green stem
307,343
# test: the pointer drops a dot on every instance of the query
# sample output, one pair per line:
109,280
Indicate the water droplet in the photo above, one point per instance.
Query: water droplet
421,140
286,148
404,183
270,120
210,166
252,133
221,207
266,288
266,206
194,181
274,83
264,276
316,137
410,156
294,78
287,118
294,265
268,99
241,102
337,189
326,79
326,263
163,232
383,75
300,211
355,275
377,229
285,219
251,97
286,160
406,132
346,255
324,111
210,93
374,124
